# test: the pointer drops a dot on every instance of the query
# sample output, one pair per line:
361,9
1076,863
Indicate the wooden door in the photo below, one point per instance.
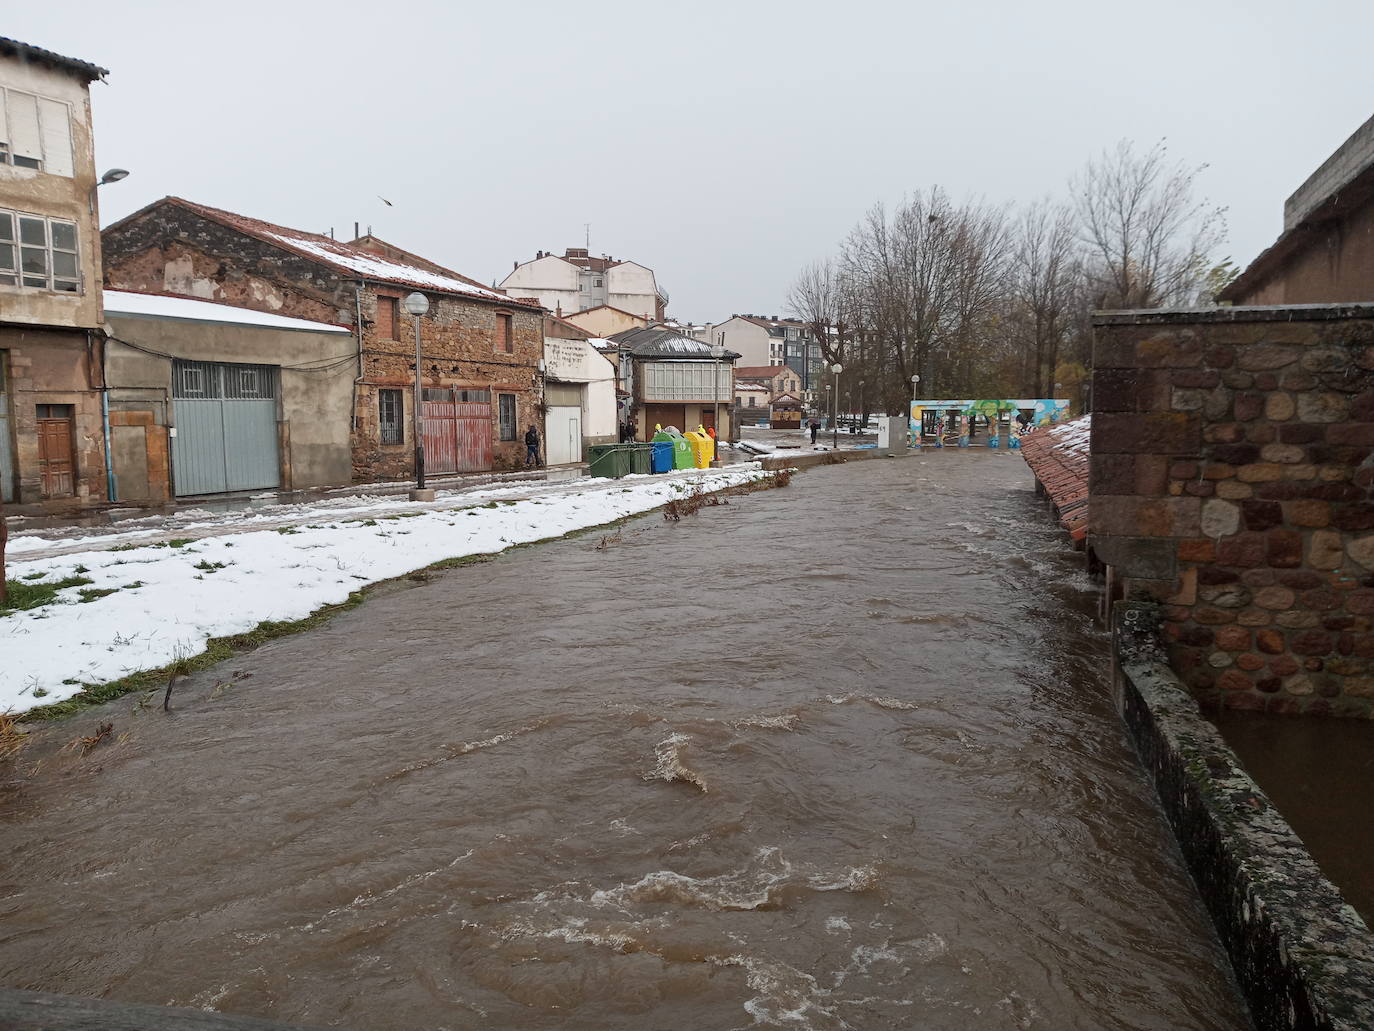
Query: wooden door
56,468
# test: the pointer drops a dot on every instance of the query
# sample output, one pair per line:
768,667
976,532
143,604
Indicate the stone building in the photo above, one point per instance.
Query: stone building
51,428
1326,251
481,349
1232,481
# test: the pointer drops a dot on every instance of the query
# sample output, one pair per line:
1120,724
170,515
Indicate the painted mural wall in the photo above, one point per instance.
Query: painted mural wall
958,421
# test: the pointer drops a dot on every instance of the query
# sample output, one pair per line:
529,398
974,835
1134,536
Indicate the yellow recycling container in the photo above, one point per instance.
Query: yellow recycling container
701,448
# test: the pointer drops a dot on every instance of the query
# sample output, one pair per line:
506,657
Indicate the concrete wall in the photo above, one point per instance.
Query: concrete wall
569,358
66,197
552,280
55,367
748,339
1331,262
313,410
631,287
1232,481
604,322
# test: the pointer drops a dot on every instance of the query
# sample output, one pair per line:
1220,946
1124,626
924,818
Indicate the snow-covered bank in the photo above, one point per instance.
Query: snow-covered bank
168,601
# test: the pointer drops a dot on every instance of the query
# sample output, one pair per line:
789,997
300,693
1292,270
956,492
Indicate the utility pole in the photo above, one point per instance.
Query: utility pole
417,304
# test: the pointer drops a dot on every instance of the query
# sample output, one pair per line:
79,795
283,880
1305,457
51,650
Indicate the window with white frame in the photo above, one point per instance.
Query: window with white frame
38,252
35,132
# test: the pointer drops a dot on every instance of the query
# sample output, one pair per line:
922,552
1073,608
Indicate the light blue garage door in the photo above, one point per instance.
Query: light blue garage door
226,423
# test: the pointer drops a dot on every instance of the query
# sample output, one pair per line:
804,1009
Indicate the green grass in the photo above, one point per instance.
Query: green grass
28,593
209,566
90,594
179,542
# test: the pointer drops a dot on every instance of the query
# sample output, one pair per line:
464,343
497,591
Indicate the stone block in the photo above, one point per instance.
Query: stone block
1307,512
1111,474
1151,558
1297,381
1301,433
1275,597
1219,518
1151,474
1234,490
1266,357
1242,549
1261,433
1362,406
1195,379
1121,390
1284,549
1225,596
1186,594
1354,434
1289,454
1187,399
1296,619
1158,433
1233,639
1259,577
1196,550
1311,642
1300,579
1259,472
1234,680
1284,665
1210,616
1271,641
1248,405
1234,454
1223,433
1325,550
1357,516
1257,515
1323,407
1199,488
1254,617
1361,550
1249,662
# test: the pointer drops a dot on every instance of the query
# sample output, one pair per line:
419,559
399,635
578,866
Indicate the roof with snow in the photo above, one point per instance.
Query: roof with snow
350,260
162,306
28,52
659,342
1058,456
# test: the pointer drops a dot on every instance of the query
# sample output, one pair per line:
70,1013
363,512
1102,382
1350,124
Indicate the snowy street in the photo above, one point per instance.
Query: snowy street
140,598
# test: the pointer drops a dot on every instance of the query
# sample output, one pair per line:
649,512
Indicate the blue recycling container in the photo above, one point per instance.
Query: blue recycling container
662,461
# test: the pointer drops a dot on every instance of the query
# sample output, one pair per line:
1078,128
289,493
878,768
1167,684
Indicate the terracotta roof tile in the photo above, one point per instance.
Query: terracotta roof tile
1059,459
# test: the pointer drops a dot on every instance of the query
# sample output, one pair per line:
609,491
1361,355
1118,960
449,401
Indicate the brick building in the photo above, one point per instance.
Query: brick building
481,350
1232,481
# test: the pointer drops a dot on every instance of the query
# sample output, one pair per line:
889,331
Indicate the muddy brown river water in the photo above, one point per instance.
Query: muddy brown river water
839,755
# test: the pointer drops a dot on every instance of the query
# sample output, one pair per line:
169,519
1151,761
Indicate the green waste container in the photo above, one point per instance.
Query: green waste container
612,460
641,458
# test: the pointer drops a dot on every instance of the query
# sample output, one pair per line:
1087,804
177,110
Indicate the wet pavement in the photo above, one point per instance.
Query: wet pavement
839,755
1317,772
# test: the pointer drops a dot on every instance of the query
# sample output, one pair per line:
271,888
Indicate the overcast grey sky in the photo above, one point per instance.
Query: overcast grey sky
723,144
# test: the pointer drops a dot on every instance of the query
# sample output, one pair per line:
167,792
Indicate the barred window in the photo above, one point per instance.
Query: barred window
389,406
507,403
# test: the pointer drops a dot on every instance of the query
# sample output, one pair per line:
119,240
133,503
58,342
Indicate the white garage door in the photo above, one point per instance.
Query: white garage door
564,430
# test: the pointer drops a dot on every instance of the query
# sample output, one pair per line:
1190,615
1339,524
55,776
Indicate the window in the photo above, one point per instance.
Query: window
35,132
507,403
389,406
739,401
502,341
599,282
38,252
387,318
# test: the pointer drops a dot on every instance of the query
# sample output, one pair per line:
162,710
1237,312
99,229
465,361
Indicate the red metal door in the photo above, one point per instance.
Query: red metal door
457,436
55,457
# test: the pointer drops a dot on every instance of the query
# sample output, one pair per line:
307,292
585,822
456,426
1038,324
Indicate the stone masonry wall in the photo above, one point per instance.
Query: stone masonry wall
168,249
1232,481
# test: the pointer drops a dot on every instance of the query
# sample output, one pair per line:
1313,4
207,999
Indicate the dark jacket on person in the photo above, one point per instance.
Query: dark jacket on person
532,437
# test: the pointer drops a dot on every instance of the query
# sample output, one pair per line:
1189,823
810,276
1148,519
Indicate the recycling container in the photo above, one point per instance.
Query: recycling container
701,449
641,458
612,460
682,454
662,460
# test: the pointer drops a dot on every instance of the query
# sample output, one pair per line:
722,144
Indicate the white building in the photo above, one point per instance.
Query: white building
579,393
769,340
576,281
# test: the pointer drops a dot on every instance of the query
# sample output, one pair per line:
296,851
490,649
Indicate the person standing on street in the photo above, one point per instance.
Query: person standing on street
815,428
531,447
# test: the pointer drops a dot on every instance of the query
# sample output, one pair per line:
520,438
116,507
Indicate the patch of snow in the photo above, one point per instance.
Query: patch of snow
375,266
121,302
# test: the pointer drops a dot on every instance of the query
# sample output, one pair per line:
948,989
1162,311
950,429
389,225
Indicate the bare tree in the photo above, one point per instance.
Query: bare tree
1148,238
1046,271
818,297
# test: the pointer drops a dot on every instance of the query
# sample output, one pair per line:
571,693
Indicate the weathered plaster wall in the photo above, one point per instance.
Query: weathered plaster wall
57,196
313,411
56,367
1232,480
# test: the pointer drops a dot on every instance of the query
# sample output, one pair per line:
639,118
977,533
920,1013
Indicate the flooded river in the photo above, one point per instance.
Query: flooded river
839,755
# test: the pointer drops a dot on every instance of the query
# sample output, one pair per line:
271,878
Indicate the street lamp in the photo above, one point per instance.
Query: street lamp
835,370
112,176
915,379
862,410
417,304
718,353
